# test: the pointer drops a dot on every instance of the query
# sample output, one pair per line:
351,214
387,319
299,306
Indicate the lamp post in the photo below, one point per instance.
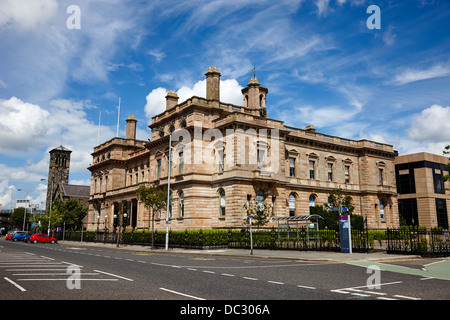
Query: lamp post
106,228
50,213
168,187
26,209
98,226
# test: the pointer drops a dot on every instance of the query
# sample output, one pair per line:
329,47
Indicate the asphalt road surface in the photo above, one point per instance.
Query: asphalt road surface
69,272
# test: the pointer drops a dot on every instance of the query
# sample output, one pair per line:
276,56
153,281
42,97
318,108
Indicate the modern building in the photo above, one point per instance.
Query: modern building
423,197
223,156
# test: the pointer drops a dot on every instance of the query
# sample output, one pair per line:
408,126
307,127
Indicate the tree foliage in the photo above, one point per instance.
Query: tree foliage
261,213
69,213
447,151
336,199
154,199
16,218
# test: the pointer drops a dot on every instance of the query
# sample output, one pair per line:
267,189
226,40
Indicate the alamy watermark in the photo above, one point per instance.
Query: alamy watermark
374,280
74,20
229,147
374,21
74,279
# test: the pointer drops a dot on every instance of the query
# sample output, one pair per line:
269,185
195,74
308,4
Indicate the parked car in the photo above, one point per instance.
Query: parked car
9,236
40,237
20,235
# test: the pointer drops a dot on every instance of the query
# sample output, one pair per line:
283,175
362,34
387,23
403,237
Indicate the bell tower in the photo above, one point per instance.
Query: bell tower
58,170
255,97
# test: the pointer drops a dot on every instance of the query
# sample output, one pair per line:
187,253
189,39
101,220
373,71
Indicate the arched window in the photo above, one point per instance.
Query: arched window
382,211
222,202
312,201
260,200
291,205
181,204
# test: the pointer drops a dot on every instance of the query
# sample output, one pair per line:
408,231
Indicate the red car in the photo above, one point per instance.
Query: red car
40,237
9,236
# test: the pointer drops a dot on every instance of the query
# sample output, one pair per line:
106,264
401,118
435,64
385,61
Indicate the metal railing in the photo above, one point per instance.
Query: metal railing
419,241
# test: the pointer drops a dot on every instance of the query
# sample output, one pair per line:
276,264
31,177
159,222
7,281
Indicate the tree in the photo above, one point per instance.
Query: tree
447,151
69,212
154,199
261,213
336,199
16,217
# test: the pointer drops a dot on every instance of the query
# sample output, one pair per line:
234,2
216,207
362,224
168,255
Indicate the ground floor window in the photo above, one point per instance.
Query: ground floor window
441,213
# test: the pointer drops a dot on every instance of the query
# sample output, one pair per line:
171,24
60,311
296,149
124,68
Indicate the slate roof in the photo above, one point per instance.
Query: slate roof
77,191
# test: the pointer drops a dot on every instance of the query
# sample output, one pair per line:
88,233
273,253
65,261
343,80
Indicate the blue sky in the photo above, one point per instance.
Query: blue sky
320,62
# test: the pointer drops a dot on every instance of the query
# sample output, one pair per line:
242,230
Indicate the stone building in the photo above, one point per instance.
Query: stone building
225,155
58,186
423,197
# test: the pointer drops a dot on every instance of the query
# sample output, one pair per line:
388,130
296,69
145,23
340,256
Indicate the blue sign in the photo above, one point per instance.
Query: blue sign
337,209
345,232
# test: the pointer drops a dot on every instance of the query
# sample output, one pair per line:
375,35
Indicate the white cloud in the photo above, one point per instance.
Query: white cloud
431,125
230,92
322,6
157,54
156,102
27,14
23,124
412,75
29,127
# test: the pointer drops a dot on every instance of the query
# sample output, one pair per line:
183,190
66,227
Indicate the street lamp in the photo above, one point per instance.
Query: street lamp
51,205
168,186
25,212
106,228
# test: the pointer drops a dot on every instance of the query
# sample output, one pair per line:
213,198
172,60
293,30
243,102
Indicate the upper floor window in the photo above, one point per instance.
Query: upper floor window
380,176
347,174
158,169
260,154
292,167
312,169
221,160
330,171
181,163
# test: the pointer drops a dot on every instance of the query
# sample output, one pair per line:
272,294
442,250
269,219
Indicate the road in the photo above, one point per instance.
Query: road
72,272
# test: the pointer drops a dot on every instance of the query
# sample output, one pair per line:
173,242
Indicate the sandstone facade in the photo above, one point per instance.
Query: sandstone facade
224,155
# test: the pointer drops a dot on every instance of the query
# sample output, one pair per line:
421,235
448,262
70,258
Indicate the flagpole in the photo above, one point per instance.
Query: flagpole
99,119
118,117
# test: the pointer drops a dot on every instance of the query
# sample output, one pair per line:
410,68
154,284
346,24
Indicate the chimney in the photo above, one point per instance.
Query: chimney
213,84
171,99
131,127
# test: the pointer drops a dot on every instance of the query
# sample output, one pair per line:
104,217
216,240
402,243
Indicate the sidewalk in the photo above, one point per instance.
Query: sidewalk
319,256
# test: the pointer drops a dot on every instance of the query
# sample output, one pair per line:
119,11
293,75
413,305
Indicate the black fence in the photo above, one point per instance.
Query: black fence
273,239
418,241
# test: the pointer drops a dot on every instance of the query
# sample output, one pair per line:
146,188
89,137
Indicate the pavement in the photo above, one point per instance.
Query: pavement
319,256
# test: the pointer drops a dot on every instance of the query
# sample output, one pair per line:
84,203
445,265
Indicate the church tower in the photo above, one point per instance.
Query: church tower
58,171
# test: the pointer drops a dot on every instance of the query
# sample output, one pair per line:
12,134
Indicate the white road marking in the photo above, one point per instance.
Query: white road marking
182,294
114,275
15,284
